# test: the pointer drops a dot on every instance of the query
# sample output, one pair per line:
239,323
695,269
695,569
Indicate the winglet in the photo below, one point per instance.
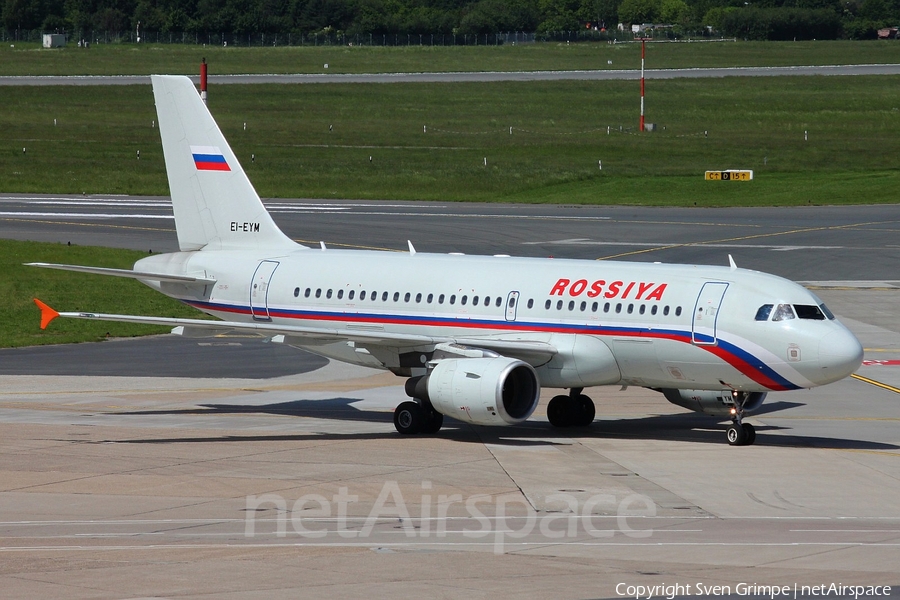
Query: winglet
47,313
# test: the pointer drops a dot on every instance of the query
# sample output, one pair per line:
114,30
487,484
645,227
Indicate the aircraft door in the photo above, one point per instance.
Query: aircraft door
511,301
706,313
259,290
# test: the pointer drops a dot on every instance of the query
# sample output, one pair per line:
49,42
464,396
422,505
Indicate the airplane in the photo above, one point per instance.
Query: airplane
476,337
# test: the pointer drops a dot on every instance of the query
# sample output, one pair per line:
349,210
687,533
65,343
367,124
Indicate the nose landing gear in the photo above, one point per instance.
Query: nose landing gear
739,433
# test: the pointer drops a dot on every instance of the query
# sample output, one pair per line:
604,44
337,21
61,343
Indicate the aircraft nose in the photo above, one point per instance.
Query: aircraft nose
840,355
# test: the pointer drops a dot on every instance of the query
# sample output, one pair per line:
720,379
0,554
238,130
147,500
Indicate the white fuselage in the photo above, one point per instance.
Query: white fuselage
653,325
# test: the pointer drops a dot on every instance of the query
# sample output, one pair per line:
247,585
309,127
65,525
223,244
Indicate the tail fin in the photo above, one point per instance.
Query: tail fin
215,204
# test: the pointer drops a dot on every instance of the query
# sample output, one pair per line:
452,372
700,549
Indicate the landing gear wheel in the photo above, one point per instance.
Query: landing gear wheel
736,434
587,411
558,411
750,432
433,421
409,418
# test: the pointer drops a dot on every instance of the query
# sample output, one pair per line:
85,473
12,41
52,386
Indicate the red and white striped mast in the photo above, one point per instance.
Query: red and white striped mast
643,41
203,83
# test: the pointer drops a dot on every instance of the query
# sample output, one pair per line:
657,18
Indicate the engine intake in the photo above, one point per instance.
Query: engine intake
718,404
482,391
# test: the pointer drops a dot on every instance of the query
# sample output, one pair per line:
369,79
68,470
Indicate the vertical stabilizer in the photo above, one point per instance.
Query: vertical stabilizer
215,204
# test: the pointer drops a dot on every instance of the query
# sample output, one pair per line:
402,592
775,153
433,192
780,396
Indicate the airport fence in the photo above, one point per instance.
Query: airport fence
338,38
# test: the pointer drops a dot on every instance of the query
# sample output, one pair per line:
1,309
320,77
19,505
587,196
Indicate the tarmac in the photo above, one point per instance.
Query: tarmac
229,468
298,486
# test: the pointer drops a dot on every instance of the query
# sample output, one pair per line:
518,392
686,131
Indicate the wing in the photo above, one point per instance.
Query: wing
534,352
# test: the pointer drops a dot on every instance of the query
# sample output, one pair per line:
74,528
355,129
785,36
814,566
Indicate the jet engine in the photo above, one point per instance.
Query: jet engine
718,404
482,391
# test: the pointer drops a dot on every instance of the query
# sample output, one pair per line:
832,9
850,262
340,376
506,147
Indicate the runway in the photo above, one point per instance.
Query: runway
477,77
803,243
295,484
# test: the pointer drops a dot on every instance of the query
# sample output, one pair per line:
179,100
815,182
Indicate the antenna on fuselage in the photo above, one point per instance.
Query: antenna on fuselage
732,263
412,251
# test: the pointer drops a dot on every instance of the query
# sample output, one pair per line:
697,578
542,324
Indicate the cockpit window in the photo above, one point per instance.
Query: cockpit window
828,314
809,311
783,312
764,311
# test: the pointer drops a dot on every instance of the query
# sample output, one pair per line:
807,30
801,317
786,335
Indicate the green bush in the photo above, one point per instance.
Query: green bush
782,24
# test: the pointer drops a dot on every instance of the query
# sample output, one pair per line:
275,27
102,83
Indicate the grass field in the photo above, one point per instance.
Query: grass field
130,59
809,140
20,318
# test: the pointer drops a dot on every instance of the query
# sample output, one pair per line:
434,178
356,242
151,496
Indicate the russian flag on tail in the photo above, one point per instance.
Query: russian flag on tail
209,158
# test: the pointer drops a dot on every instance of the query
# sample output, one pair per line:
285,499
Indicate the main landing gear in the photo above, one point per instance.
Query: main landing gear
411,418
739,433
576,409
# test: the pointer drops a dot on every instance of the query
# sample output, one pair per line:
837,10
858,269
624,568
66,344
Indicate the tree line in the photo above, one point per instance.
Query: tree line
750,19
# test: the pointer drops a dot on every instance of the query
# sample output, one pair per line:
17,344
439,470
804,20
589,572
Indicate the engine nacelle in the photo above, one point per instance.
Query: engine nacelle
482,391
718,404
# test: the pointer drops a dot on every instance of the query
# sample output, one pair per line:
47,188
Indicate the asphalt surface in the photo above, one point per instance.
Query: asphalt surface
162,356
166,467
806,243
478,77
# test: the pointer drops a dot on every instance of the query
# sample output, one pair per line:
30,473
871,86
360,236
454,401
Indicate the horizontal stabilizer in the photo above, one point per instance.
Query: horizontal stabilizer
127,273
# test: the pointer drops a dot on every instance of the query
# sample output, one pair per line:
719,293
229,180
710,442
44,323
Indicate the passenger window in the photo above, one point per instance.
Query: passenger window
474,300
430,298
306,293
643,308
606,307
784,312
296,292
396,296
319,293
418,298
362,295
583,306
828,314
487,300
677,311
618,307
594,307
374,296
763,313
463,300
559,305
340,294
665,311
384,296
350,295
630,308
571,305
328,294
406,297
530,303
547,305
441,299
512,302
453,299
500,301
653,309
809,311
